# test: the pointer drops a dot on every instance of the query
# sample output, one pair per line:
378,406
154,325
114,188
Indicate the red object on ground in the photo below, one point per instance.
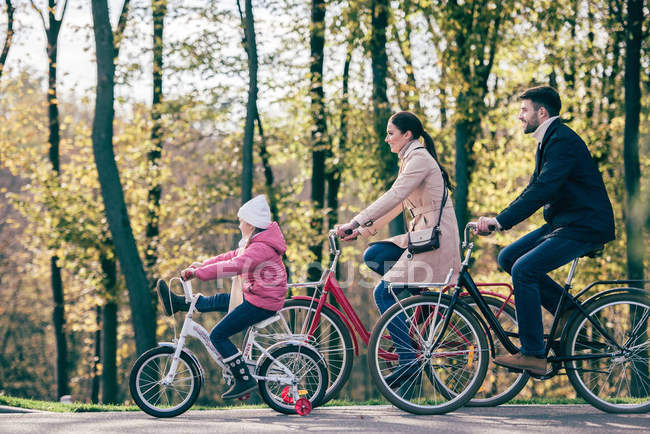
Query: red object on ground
303,406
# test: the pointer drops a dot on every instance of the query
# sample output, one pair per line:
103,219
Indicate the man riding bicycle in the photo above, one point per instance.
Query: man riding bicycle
578,215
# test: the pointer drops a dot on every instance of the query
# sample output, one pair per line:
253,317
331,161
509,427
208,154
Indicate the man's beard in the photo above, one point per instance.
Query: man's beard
531,127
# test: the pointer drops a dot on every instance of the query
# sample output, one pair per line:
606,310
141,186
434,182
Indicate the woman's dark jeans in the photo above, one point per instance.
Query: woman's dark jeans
528,260
241,317
380,257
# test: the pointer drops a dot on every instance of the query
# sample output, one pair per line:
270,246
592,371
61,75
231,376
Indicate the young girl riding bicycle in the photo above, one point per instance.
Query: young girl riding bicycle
259,261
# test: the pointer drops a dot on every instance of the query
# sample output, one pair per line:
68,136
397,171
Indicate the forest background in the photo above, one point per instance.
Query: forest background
201,105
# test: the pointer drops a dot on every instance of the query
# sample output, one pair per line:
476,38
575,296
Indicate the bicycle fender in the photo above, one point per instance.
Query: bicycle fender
189,353
620,290
340,315
280,344
596,297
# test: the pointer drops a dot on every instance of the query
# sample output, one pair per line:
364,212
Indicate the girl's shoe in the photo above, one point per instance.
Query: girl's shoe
170,301
244,382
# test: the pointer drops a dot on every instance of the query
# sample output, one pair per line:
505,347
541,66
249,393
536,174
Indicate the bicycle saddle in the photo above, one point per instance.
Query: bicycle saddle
596,253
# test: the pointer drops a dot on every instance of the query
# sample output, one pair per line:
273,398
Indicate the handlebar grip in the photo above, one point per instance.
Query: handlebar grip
348,232
492,228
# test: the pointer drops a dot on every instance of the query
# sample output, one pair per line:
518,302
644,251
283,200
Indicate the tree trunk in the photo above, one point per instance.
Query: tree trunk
143,315
463,138
153,197
9,35
473,66
635,245
319,138
95,376
633,222
58,317
248,22
109,344
335,172
387,161
412,95
268,170
270,188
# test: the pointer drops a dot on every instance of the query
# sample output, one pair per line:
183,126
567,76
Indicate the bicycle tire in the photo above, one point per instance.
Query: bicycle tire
492,391
312,373
146,376
459,361
339,358
619,383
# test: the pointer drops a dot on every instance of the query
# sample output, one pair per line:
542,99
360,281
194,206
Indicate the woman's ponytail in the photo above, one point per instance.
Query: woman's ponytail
428,142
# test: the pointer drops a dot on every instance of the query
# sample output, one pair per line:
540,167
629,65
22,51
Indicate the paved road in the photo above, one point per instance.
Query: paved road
505,419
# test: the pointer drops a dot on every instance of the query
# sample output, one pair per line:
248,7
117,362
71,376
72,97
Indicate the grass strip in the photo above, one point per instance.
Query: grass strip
81,407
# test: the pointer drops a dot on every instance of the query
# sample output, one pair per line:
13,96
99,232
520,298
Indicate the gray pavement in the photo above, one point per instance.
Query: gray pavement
375,419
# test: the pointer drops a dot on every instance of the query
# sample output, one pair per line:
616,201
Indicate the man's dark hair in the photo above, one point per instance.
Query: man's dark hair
544,96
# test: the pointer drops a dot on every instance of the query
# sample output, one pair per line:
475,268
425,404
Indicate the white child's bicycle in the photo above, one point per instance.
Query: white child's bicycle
165,381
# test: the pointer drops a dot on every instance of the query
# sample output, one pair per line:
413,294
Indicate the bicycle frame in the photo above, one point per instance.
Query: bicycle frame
329,285
193,329
466,282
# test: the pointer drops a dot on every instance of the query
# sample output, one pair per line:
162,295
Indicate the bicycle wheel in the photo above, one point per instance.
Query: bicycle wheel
332,339
500,384
457,364
149,390
309,371
617,382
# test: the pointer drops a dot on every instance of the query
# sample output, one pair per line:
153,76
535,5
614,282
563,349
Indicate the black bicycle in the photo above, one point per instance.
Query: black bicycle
604,347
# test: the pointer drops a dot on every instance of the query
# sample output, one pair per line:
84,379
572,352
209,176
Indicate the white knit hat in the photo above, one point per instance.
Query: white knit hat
256,212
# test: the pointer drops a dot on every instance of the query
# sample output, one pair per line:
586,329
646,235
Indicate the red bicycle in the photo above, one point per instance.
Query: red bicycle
336,332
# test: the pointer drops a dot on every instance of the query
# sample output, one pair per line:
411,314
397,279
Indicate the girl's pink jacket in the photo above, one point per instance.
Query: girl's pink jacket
264,275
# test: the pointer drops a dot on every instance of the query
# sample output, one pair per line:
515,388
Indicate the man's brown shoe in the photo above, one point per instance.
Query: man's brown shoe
519,361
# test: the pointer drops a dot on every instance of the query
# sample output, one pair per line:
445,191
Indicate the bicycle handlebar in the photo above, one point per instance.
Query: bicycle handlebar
474,226
187,289
332,239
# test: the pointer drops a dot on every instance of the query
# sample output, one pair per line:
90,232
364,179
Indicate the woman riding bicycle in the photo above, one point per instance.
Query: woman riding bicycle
259,261
421,187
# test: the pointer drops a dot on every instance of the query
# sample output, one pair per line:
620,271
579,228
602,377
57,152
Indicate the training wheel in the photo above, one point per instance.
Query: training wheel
245,397
286,395
303,406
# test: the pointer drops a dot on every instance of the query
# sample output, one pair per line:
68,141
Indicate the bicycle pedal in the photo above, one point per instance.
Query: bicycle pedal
245,397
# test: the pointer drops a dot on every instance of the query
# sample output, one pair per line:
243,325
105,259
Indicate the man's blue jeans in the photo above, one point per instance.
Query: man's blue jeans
380,257
241,317
528,260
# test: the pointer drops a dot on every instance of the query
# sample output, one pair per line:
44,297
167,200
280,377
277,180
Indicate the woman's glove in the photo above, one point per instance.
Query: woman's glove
196,265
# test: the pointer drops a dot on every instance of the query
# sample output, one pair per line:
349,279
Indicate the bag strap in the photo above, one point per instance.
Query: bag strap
444,201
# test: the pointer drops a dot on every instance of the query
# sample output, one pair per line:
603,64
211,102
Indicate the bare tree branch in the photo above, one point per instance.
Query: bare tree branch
9,34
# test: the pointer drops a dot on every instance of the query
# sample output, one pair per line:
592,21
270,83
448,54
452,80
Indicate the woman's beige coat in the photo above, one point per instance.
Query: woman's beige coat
419,187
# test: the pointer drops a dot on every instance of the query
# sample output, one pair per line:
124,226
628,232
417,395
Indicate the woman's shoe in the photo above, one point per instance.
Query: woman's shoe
402,374
170,301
